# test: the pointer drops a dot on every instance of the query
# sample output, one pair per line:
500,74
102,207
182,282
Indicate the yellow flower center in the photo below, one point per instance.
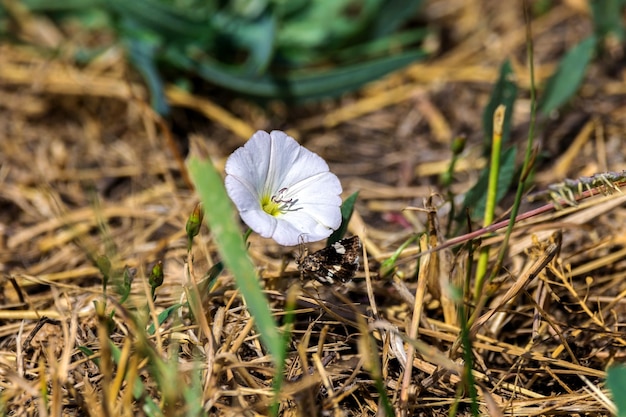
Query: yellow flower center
278,203
270,206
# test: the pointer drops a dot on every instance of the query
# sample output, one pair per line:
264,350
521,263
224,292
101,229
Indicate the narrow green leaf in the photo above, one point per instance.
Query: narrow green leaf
208,280
388,266
568,77
256,38
404,40
163,315
88,352
347,208
142,48
616,381
297,86
607,18
174,23
476,197
39,6
193,393
504,92
219,214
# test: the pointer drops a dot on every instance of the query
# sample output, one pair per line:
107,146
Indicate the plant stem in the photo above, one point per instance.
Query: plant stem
492,189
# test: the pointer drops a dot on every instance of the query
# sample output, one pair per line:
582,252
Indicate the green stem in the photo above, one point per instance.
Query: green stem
526,167
528,156
492,189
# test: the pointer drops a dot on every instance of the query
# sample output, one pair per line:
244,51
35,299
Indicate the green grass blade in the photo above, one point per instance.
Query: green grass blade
379,47
298,86
466,341
388,266
616,381
568,77
39,6
347,208
504,93
219,215
163,315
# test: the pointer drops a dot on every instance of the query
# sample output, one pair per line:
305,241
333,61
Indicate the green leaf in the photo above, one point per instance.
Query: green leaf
193,392
568,77
392,15
39,6
616,381
607,18
347,208
163,315
256,38
382,46
219,215
326,24
298,86
173,23
88,352
504,92
208,280
124,285
476,197
142,47
388,266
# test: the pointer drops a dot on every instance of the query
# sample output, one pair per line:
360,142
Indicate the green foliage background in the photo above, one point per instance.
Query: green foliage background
293,50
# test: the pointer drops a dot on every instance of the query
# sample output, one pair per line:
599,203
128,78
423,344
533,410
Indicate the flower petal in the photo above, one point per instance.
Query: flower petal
298,162
250,162
323,188
242,193
275,166
300,227
261,222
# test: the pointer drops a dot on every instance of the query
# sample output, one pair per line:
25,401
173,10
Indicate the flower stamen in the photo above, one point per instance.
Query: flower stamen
279,203
285,204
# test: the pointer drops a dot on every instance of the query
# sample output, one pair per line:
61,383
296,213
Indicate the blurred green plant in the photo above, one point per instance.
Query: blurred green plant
227,235
293,50
607,18
616,381
504,93
568,77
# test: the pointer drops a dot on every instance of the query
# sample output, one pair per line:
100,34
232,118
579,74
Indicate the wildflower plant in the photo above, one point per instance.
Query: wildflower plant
282,190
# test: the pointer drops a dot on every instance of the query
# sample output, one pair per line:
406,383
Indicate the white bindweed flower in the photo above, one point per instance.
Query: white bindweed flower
283,190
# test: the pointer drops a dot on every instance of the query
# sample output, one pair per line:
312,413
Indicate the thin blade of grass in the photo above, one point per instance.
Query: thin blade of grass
219,215
302,85
504,93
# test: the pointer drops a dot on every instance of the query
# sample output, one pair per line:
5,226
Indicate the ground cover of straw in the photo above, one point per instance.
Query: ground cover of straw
86,169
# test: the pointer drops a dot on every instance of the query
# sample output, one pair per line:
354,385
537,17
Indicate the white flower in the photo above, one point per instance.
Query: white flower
283,190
